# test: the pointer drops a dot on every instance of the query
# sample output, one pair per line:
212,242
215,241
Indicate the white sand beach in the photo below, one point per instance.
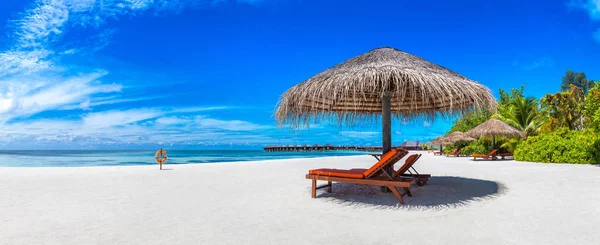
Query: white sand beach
268,202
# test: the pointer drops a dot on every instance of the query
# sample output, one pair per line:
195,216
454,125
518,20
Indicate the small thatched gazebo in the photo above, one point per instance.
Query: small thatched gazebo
436,142
456,136
386,82
495,127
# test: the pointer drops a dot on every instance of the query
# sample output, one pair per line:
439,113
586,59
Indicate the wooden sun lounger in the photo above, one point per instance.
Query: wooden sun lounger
376,156
372,176
438,153
404,172
503,155
455,153
488,156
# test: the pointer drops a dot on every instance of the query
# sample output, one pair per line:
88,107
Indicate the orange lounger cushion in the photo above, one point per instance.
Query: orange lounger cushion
381,162
352,173
356,173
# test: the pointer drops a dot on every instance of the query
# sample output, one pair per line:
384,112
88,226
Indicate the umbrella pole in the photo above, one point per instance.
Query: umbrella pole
386,119
387,124
494,144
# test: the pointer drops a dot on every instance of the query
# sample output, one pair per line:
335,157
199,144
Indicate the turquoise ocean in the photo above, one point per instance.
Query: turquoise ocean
83,158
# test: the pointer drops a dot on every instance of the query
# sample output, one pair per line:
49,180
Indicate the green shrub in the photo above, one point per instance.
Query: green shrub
561,146
509,145
449,149
476,147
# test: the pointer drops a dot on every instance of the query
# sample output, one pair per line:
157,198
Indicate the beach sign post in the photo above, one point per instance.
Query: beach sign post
160,157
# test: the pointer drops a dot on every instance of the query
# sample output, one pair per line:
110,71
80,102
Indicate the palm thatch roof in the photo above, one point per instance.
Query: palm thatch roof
436,141
495,127
456,136
353,90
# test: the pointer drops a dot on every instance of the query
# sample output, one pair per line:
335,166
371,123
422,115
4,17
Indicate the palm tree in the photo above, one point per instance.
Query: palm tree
523,113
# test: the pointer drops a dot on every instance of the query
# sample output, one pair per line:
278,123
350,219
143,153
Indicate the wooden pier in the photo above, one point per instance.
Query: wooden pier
329,147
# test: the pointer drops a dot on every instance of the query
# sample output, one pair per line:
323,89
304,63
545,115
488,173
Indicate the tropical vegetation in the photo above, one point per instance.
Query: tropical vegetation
563,127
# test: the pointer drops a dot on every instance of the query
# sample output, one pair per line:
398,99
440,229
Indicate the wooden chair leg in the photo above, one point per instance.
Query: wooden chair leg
314,188
329,186
397,194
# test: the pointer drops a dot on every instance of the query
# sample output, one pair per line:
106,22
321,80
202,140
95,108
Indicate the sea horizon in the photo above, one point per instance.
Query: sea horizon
95,158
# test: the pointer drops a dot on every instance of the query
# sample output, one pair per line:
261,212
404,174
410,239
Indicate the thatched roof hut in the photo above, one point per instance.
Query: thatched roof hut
436,141
495,127
386,82
411,145
456,136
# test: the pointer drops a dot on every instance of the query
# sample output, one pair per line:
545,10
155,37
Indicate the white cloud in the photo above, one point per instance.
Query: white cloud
14,61
109,100
233,125
540,62
592,7
39,94
34,79
360,134
47,20
199,109
126,127
172,120
116,118
41,24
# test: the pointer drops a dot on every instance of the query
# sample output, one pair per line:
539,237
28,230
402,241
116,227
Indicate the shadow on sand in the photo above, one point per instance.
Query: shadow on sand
439,192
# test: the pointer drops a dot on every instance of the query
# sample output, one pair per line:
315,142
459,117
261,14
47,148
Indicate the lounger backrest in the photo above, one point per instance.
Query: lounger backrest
455,151
409,162
492,152
387,159
401,153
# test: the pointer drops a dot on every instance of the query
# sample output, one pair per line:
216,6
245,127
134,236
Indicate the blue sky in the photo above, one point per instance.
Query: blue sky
203,74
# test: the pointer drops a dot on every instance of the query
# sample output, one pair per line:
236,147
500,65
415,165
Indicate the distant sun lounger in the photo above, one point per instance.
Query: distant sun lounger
455,153
503,155
402,178
488,156
438,153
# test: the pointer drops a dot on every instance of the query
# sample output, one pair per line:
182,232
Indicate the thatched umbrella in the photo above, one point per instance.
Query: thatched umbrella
386,82
456,136
495,127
